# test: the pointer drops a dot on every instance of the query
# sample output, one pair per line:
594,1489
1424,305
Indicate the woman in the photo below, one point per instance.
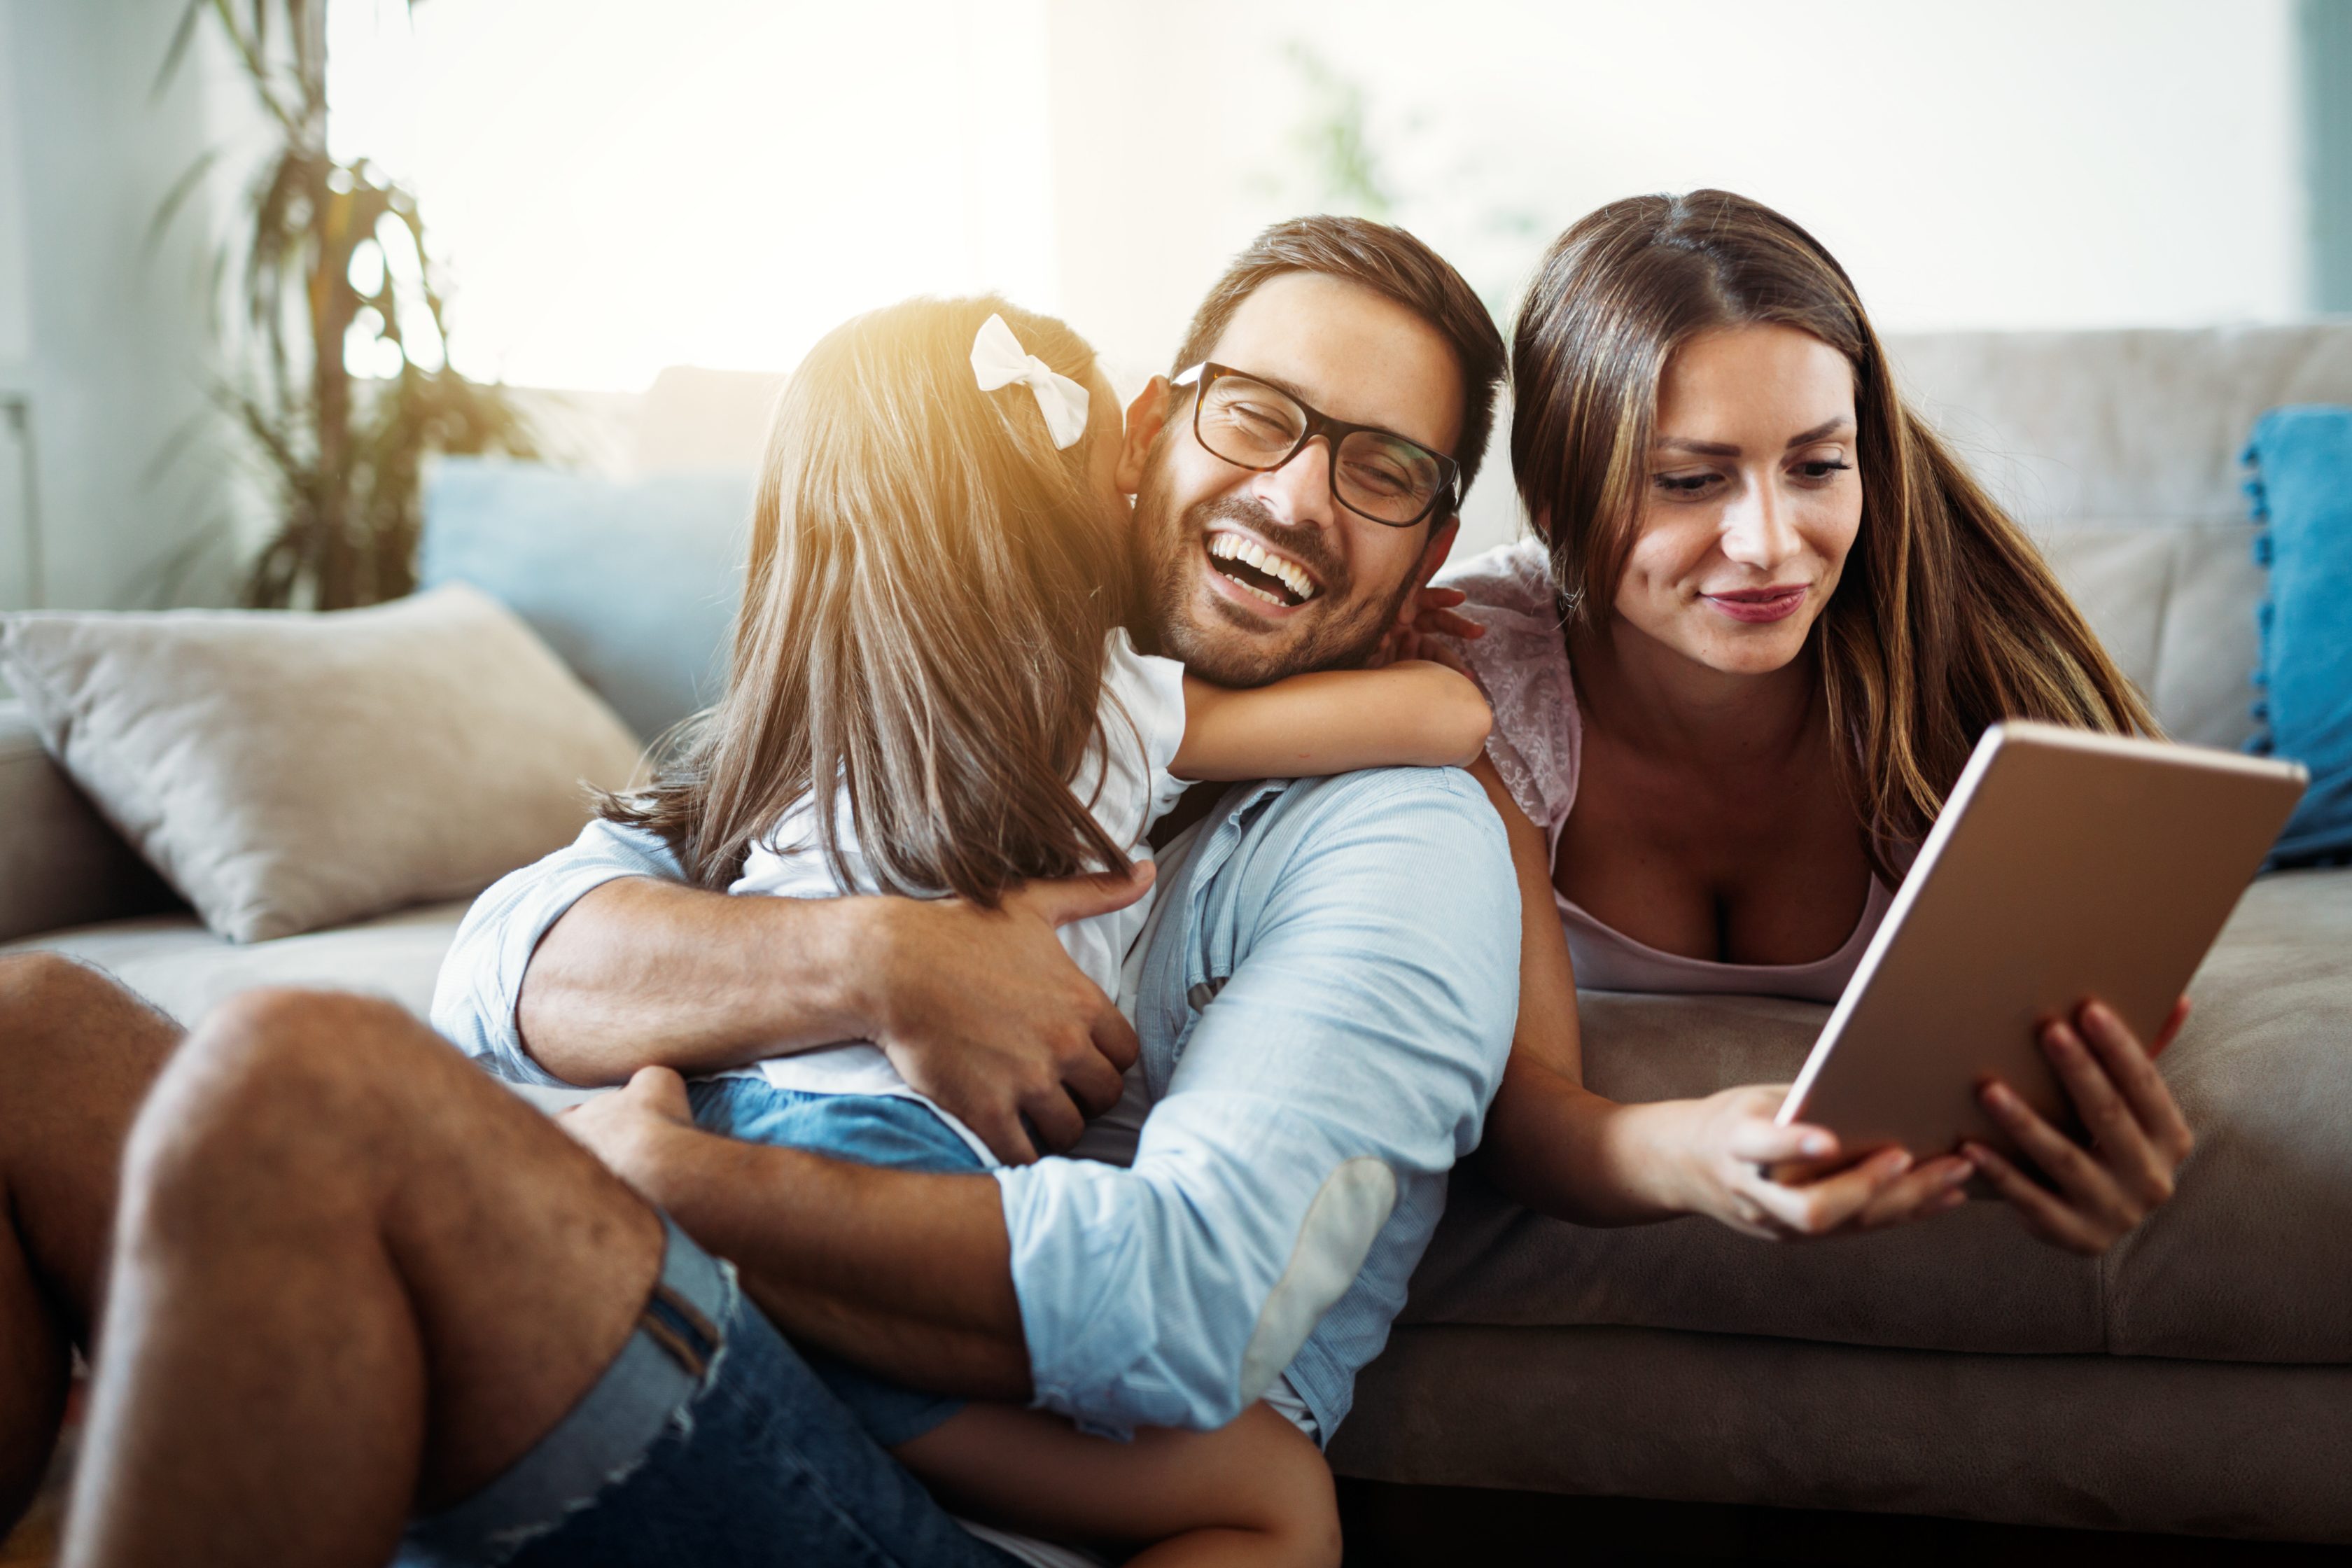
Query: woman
1766,616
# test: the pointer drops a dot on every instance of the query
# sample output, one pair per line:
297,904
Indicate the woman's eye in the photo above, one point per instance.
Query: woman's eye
1821,469
1686,484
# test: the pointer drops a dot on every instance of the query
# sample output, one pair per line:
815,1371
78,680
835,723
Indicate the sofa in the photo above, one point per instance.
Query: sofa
2197,1380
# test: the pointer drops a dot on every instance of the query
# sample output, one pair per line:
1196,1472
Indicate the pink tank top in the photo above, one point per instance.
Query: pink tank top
1522,663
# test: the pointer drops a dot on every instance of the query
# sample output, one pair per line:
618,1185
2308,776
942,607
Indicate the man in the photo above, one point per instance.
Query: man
352,1282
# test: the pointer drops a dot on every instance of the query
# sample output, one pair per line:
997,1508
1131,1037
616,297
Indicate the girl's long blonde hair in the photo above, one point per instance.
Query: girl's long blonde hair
1949,619
922,625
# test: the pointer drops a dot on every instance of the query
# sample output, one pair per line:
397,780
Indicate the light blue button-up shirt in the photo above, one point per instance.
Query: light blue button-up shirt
1325,996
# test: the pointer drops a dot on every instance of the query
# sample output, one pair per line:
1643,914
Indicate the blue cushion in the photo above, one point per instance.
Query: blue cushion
634,582
2301,488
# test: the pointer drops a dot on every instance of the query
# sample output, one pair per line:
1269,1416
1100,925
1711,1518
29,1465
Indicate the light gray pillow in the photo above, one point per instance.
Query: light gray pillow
286,771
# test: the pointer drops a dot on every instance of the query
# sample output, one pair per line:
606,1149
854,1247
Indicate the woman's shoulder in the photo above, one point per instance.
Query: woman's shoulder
1514,579
1521,663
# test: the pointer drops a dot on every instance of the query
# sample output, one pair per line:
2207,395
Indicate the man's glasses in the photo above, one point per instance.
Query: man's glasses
1374,473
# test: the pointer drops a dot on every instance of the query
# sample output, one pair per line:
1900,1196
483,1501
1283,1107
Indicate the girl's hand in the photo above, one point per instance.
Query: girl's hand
2138,1137
1730,1143
1424,621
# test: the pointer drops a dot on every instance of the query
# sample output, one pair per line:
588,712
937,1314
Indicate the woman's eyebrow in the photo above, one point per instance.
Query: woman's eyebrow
1833,425
1830,427
1704,448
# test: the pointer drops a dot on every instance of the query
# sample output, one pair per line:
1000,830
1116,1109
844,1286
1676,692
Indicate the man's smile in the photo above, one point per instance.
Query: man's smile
1250,566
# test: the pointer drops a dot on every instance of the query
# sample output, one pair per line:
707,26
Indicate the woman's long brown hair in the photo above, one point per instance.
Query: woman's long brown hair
1949,619
922,625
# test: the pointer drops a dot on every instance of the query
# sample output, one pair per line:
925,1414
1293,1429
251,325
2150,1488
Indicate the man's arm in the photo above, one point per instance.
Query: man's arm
641,972
1356,1043
599,959
1366,933
907,1273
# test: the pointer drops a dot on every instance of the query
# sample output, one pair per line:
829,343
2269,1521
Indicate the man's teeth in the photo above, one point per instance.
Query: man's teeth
1255,592
1236,547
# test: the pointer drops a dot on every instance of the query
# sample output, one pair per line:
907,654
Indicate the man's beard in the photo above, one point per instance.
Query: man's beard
1340,637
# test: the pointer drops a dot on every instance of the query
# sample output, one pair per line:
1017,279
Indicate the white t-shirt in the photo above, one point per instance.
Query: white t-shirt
1126,778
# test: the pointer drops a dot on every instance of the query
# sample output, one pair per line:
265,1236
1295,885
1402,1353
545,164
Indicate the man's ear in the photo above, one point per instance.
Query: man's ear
1146,416
1440,547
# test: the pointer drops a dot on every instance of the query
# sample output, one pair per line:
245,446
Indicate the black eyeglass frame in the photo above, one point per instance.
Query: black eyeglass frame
1202,376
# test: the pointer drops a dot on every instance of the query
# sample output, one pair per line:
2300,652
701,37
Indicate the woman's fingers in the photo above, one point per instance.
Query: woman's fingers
2080,1180
1761,1142
2044,1213
2115,1132
1932,1188
2143,1087
1819,1207
2125,1104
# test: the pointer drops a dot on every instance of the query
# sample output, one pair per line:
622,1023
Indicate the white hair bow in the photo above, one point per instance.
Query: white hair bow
997,360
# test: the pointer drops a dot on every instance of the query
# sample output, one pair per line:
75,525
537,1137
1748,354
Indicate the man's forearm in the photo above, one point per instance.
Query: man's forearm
905,1274
644,973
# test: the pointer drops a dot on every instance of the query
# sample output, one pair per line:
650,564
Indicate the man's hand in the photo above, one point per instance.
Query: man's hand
629,1128
984,1011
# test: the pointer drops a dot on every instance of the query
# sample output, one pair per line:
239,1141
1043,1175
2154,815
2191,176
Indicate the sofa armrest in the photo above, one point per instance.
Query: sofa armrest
60,864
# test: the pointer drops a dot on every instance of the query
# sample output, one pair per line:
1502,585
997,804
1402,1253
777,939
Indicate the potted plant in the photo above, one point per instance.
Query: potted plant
330,264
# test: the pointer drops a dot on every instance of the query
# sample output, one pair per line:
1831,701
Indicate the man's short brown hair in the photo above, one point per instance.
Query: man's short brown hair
1391,263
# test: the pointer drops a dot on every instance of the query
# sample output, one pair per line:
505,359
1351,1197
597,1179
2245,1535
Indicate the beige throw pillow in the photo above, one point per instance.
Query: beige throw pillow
286,771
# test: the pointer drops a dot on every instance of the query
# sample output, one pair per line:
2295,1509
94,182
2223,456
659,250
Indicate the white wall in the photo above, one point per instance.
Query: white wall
1974,164
615,186
103,339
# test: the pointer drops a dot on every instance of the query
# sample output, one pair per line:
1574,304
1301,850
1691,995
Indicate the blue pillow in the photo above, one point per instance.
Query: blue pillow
2302,488
634,582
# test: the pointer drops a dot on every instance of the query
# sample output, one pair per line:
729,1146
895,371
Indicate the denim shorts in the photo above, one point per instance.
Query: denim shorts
871,1130
709,1440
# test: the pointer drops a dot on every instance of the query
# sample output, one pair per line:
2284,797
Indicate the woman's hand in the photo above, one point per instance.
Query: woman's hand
1729,1142
1424,621
2138,1137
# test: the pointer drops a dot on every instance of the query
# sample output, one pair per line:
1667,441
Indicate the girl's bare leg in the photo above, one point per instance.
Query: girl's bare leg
1256,1493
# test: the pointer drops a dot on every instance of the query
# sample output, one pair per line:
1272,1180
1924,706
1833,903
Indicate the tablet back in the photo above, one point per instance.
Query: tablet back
2065,865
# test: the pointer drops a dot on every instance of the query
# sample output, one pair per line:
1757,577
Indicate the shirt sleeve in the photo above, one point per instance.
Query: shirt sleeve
481,979
1149,694
1356,1042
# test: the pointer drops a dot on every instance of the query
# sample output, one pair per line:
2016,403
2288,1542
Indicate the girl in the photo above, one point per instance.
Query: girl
936,692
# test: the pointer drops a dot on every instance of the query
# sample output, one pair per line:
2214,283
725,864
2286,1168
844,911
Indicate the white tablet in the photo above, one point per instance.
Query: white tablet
2065,865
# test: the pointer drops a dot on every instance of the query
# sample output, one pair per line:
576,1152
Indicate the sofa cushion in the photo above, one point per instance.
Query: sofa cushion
285,771
2175,608
2251,1261
183,969
60,864
2301,459
633,581
2090,1442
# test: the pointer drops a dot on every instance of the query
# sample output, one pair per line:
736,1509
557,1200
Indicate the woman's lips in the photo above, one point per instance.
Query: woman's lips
1759,604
